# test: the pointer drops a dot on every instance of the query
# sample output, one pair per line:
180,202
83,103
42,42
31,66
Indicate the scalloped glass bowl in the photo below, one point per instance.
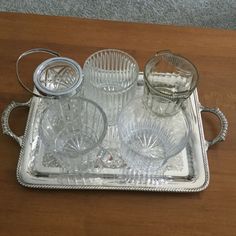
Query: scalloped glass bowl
148,140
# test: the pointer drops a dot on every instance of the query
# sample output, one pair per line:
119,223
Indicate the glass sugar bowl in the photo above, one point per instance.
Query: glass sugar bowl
58,77
169,80
55,78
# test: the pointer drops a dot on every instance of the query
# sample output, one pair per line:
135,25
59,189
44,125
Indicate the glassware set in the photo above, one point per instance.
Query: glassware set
98,116
109,126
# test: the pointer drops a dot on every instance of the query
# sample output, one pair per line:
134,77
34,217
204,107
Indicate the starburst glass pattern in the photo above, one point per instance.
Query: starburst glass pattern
58,77
74,131
148,140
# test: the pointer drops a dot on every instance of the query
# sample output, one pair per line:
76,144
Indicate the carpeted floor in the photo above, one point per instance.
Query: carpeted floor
203,13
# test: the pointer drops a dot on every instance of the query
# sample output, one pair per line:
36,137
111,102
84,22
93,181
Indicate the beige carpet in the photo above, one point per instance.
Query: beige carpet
203,13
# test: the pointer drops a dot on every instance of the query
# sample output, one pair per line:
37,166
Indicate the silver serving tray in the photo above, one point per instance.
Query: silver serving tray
186,172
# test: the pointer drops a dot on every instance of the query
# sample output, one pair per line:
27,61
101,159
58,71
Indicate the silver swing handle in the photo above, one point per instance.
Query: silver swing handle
5,120
24,54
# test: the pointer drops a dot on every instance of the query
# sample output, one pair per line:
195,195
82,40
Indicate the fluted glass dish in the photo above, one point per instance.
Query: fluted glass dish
147,140
110,78
73,130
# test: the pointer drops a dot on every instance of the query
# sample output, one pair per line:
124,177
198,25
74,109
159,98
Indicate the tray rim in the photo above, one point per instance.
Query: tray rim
22,175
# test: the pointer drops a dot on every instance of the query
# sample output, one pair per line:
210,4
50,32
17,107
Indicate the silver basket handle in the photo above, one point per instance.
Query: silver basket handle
24,54
5,119
223,122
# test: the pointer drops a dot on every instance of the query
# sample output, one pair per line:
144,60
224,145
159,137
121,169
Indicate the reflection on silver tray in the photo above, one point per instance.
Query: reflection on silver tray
186,172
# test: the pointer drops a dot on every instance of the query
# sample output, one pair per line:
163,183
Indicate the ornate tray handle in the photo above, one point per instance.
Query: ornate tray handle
5,119
223,123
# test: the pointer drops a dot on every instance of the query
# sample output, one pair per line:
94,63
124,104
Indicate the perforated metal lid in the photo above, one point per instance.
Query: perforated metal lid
58,76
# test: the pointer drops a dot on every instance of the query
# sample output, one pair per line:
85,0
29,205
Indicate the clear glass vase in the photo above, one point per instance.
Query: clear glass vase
110,78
